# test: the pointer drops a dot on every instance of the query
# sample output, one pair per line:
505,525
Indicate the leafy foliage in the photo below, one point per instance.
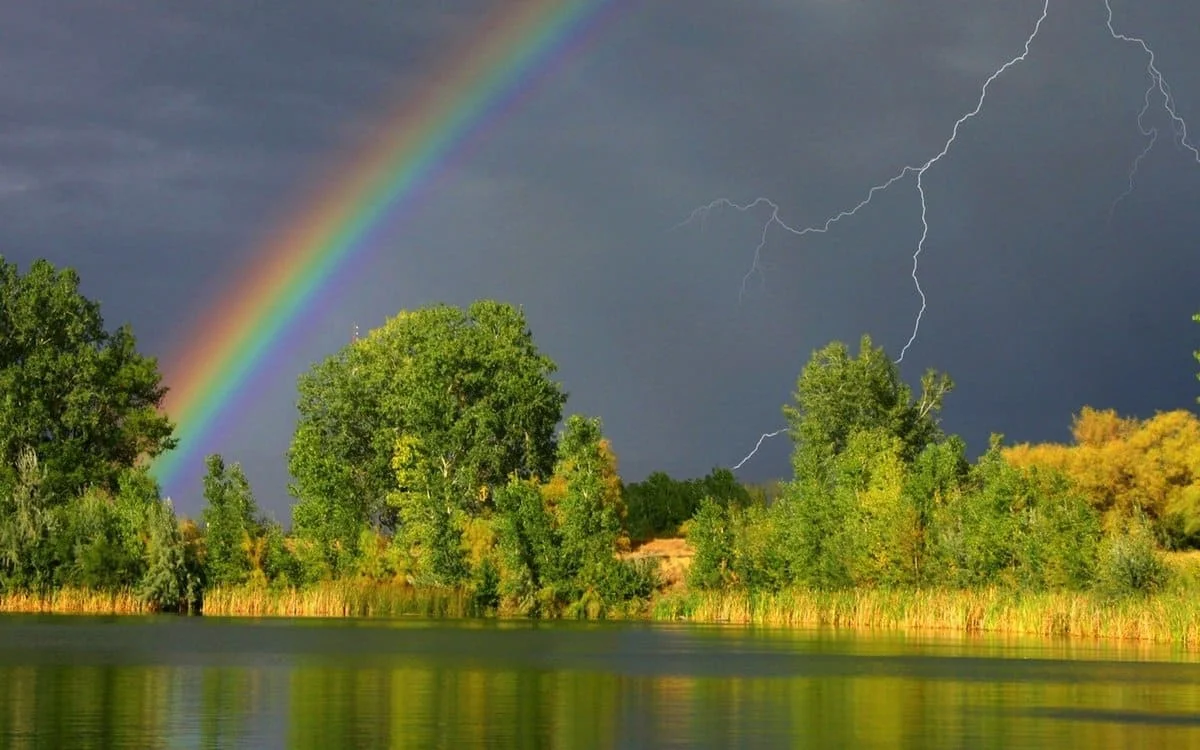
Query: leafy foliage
231,524
712,538
660,505
81,398
1131,468
838,395
1130,564
467,388
430,515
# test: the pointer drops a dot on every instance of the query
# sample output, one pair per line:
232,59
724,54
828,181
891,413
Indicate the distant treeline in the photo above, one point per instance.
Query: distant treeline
433,454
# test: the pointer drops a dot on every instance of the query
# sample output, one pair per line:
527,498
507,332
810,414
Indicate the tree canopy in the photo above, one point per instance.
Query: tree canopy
1129,467
81,398
465,394
838,395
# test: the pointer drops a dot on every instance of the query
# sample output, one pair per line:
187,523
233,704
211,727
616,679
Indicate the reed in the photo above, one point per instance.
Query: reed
337,599
74,601
1169,617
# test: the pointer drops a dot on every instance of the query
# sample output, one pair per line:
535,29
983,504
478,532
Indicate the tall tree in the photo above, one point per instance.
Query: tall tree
591,510
230,523
838,395
856,427
82,398
467,387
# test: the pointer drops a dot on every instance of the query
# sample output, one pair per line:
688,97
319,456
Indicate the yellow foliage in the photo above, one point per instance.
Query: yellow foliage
479,540
193,538
554,491
1126,465
1097,427
255,549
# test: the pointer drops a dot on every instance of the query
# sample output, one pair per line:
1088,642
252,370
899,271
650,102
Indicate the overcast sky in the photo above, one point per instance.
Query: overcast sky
154,146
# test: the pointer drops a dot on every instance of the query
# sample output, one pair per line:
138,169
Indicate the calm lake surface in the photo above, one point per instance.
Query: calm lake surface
173,682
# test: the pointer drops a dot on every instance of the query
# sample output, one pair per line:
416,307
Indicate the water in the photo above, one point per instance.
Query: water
75,682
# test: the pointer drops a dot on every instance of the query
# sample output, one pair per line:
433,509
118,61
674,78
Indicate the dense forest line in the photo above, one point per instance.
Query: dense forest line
432,454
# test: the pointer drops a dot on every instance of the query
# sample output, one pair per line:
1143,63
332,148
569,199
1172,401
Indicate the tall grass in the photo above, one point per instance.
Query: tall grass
337,599
1172,616
1169,617
74,601
358,598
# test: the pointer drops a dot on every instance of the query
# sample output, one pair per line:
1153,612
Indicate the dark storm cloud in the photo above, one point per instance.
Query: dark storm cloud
152,145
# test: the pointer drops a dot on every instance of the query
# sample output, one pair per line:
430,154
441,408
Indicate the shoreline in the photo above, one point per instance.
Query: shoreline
1168,618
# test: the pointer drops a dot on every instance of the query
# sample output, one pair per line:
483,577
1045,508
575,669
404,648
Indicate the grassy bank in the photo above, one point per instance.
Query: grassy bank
1168,617
337,599
1165,618
1172,617
74,601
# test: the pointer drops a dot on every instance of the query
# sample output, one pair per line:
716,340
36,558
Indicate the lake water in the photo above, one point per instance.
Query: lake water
173,682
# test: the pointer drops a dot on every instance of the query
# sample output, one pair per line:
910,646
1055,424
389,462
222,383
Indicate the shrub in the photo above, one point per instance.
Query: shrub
1130,563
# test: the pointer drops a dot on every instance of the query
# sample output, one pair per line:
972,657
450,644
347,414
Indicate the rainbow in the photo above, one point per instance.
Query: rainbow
233,342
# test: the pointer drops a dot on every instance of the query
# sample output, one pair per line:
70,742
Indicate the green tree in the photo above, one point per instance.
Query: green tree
856,429
468,385
164,584
230,523
659,505
531,565
26,523
589,515
430,520
712,537
82,398
838,395
933,482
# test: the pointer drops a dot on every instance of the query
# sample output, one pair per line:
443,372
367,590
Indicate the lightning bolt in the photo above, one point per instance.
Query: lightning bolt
750,455
1157,83
774,219
1152,135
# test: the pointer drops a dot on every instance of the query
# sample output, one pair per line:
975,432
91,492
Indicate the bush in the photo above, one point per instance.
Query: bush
757,560
1060,538
1130,563
711,537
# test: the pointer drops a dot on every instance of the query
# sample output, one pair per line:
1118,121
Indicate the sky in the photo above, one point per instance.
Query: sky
155,147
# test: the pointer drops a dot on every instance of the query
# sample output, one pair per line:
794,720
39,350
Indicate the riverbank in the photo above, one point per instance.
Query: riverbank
1171,617
1162,618
74,601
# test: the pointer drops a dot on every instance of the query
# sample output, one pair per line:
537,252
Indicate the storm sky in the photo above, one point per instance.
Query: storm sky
155,146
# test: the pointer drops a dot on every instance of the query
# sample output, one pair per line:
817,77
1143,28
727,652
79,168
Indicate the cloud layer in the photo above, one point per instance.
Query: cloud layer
155,146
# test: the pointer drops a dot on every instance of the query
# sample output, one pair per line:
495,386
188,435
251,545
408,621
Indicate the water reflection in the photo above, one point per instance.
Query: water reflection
177,683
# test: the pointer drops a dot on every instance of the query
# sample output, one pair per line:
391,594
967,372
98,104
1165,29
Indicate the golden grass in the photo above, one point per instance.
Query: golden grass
673,555
74,601
1170,617
336,599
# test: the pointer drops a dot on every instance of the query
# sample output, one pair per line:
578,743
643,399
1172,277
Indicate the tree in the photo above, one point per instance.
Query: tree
856,430
838,395
529,546
26,522
591,510
468,386
230,523
164,584
82,398
660,505
430,521
1130,468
